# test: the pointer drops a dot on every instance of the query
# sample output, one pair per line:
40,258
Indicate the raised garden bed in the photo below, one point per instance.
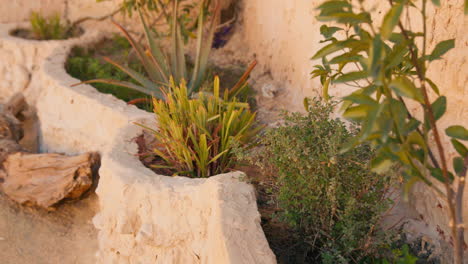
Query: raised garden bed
142,216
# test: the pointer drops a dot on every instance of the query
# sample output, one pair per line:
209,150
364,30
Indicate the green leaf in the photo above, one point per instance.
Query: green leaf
325,89
458,132
433,86
155,93
397,55
333,47
370,120
405,87
397,38
345,58
204,53
156,51
134,74
459,166
459,147
347,18
352,76
327,32
436,2
391,20
416,138
334,5
151,69
359,98
356,113
437,173
380,165
466,7
439,107
306,103
442,48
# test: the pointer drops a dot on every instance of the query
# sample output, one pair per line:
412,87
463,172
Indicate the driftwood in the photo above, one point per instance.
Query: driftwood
45,179
38,179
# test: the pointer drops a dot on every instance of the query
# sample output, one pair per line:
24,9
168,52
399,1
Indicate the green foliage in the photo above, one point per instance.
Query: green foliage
47,28
196,135
386,63
85,64
331,199
161,12
398,256
160,67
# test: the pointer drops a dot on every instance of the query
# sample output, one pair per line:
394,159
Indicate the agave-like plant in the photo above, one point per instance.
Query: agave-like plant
159,66
196,135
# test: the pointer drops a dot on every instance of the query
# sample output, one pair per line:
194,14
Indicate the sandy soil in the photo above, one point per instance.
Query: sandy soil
64,236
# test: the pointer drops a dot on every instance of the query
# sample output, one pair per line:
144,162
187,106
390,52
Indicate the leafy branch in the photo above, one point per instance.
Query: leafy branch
389,72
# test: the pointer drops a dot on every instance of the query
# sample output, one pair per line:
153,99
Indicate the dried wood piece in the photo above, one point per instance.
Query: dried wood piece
46,179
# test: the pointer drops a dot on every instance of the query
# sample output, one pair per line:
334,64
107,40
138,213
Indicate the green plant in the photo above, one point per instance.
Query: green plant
331,200
159,12
401,255
388,66
86,64
160,67
47,28
196,135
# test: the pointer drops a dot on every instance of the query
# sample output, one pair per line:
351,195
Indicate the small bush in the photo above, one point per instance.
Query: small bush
196,135
331,200
47,28
87,64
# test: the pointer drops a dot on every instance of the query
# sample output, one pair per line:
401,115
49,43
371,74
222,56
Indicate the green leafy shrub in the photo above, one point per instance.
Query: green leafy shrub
395,101
86,64
196,135
332,200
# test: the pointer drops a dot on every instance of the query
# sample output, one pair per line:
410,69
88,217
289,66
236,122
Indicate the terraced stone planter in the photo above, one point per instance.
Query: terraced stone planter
144,217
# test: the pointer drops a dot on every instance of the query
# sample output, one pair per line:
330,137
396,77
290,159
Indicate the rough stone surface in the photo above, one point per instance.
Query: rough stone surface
143,217
158,219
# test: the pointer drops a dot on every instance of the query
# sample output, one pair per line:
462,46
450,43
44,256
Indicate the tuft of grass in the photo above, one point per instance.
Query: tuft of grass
47,28
196,135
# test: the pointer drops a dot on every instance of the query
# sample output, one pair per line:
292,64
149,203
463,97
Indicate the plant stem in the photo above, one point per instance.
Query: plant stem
431,155
454,207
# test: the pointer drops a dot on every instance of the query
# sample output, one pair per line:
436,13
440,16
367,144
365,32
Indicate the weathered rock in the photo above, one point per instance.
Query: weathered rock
46,179
7,147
